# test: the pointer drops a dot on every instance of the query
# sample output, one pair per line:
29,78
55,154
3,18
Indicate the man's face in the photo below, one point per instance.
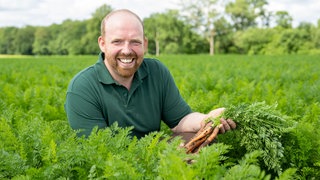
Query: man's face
123,44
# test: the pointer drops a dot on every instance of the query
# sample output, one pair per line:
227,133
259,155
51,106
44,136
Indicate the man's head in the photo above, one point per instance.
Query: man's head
103,27
123,42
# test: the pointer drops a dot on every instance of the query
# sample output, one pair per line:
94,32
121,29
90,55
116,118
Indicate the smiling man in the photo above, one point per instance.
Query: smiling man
126,88
123,42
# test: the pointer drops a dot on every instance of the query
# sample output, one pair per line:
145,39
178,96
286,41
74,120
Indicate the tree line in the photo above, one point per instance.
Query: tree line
214,26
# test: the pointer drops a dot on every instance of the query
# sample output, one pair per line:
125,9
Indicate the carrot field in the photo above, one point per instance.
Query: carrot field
36,141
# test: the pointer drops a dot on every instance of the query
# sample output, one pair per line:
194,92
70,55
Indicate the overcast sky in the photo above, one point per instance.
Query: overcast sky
46,12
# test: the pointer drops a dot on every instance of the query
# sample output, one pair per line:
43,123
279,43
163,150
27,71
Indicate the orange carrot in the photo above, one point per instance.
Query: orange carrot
200,135
209,139
195,144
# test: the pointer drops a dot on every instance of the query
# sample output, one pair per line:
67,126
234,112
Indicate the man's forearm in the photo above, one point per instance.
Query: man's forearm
193,121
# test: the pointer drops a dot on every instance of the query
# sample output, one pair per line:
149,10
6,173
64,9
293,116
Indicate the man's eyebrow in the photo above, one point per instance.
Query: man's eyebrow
136,40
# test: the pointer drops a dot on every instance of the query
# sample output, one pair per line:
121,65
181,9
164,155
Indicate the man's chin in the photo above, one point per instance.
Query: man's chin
127,73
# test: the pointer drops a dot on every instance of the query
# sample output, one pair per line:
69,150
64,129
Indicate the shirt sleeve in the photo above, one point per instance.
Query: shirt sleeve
174,106
82,109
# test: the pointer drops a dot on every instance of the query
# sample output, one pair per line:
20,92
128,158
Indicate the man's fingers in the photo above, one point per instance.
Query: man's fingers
221,129
232,124
226,125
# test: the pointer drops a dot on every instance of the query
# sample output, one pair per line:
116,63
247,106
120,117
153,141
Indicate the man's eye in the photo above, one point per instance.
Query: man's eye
116,42
136,43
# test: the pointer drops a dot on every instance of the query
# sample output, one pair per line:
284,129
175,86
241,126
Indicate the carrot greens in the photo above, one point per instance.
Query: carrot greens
260,127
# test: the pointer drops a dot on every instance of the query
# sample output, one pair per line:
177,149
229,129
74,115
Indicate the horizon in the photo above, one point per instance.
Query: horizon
48,12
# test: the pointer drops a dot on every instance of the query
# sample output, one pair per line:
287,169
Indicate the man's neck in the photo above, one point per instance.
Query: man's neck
126,82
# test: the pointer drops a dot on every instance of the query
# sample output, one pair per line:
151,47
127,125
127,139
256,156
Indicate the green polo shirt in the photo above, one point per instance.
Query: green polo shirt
95,99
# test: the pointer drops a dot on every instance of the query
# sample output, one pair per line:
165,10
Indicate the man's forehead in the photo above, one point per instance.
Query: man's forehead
122,14
123,21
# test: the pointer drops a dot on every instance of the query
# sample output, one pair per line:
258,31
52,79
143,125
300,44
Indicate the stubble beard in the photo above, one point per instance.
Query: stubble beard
126,72
122,71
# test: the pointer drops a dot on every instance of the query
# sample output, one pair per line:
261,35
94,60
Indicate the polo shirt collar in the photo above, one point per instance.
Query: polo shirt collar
105,77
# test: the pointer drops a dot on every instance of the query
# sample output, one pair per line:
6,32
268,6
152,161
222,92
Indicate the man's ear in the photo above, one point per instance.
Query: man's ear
101,43
145,44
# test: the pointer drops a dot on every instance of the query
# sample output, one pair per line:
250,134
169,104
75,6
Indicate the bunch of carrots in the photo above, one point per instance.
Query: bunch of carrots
259,120
204,136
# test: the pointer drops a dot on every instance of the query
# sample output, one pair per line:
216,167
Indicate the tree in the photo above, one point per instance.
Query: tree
7,36
253,40
224,36
90,40
24,39
74,31
54,46
201,15
310,35
292,40
42,37
283,19
167,34
192,43
165,30
245,12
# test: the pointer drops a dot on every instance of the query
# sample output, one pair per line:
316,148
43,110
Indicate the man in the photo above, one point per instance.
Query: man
126,88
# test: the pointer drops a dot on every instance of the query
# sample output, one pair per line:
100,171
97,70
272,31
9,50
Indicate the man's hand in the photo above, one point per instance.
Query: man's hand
226,124
197,132
208,132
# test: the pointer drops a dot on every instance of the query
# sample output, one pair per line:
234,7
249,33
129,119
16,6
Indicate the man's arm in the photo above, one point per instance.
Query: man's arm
83,114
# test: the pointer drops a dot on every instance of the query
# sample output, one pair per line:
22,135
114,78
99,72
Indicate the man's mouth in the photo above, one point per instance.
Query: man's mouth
126,61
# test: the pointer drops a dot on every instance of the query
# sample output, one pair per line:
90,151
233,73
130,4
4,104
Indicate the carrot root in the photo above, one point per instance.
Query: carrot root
202,138
208,130
195,144
210,138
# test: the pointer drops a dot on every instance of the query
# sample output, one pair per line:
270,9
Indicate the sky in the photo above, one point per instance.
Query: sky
20,13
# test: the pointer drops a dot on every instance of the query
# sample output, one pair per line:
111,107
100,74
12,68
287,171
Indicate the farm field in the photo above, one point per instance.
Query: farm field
37,143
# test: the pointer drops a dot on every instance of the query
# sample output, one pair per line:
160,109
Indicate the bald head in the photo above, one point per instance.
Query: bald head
120,12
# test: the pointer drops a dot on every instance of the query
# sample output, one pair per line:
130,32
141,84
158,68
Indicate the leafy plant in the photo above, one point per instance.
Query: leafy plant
36,141
259,128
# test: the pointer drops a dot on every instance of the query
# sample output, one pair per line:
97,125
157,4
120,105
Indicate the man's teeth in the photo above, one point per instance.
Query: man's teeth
126,60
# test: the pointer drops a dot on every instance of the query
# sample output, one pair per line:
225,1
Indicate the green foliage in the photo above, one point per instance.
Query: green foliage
283,19
244,12
247,168
36,141
260,127
198,27
253,40
276,41
212,162
167,34
11,164
302,144
24,39
291,82
7,36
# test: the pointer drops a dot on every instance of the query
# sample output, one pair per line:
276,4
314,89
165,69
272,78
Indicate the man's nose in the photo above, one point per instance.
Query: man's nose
126,49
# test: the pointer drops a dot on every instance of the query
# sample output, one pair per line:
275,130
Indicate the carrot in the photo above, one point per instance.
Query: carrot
203,127
206,131
195,144
200,139
209,139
